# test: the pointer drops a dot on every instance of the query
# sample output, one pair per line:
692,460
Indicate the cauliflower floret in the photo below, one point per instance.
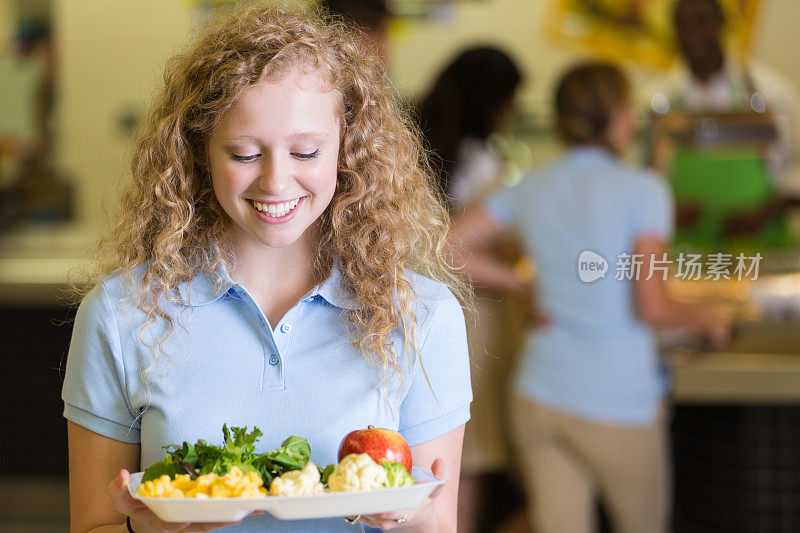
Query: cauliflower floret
298,482
357,472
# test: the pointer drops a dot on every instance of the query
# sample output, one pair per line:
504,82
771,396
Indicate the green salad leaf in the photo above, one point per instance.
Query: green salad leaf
396,474
176,461
325,473
238,450
292,455
242,442
167,467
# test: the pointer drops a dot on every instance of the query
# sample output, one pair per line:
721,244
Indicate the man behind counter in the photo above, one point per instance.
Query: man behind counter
715,82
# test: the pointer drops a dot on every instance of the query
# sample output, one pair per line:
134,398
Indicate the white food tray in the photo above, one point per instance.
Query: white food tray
325,505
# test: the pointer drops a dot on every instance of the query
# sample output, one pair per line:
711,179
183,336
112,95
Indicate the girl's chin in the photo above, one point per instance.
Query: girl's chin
279,239
281,236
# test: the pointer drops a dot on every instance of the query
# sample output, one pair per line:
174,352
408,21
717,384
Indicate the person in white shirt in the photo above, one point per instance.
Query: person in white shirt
471,99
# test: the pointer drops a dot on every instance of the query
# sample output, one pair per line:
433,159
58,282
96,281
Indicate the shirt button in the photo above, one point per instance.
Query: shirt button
286,328
309,299
273,360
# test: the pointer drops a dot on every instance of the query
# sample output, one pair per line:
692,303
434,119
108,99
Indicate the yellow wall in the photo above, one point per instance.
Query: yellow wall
510,24
112,52
7,16
777,37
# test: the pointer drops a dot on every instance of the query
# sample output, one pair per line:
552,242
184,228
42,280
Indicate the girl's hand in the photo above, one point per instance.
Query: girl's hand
417,518
142,519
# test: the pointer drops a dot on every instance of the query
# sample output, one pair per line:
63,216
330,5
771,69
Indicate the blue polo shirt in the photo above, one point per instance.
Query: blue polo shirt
223,363
596,360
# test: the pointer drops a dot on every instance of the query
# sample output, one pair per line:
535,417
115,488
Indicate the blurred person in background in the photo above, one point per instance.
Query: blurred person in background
713,80
32,188
372,17
588,410
470,100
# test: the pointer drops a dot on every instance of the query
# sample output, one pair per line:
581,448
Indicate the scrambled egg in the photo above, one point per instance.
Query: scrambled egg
232,485
357,472
298,482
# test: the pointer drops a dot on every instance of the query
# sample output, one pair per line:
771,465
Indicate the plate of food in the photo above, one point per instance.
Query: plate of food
202,483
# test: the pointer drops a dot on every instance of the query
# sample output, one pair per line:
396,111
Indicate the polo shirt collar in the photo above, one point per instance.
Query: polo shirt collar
334,291
205,288
590,154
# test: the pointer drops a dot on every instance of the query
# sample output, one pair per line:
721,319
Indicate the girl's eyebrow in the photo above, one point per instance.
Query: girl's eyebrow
238,138
293,136
304,134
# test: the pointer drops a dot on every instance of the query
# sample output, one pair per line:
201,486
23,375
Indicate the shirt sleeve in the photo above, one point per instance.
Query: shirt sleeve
654,208
94,391
440,392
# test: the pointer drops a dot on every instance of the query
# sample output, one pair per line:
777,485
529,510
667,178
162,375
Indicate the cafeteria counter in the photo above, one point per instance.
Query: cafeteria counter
736,413
38,263
760,366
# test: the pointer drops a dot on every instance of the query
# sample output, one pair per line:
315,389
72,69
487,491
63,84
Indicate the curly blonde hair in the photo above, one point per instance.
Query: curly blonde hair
384,220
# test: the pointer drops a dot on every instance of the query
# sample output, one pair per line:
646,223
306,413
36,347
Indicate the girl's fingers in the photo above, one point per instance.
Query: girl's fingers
175,526
210,526
118,490
391,516
388,521
439,470
144,515
375,523
129,506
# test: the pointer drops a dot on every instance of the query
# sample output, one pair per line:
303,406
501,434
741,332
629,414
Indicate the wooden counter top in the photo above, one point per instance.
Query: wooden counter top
762,362
736,378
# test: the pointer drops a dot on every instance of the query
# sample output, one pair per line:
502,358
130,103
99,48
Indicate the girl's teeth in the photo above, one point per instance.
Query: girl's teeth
276,210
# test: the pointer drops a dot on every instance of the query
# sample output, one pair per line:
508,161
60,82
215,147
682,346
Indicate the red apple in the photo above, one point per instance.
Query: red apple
379,443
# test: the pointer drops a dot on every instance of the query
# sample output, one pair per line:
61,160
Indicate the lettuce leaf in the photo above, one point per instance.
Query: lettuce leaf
168,467
238,450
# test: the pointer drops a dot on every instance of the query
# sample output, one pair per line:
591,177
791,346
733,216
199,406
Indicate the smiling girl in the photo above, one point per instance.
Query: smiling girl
277,262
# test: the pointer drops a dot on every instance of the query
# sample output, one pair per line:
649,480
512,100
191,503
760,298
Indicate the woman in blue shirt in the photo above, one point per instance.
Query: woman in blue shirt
588,404
260,274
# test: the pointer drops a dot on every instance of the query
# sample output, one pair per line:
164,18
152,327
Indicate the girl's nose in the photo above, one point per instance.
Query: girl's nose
275,175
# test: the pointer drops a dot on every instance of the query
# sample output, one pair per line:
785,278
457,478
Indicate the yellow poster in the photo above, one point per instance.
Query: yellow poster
635,31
